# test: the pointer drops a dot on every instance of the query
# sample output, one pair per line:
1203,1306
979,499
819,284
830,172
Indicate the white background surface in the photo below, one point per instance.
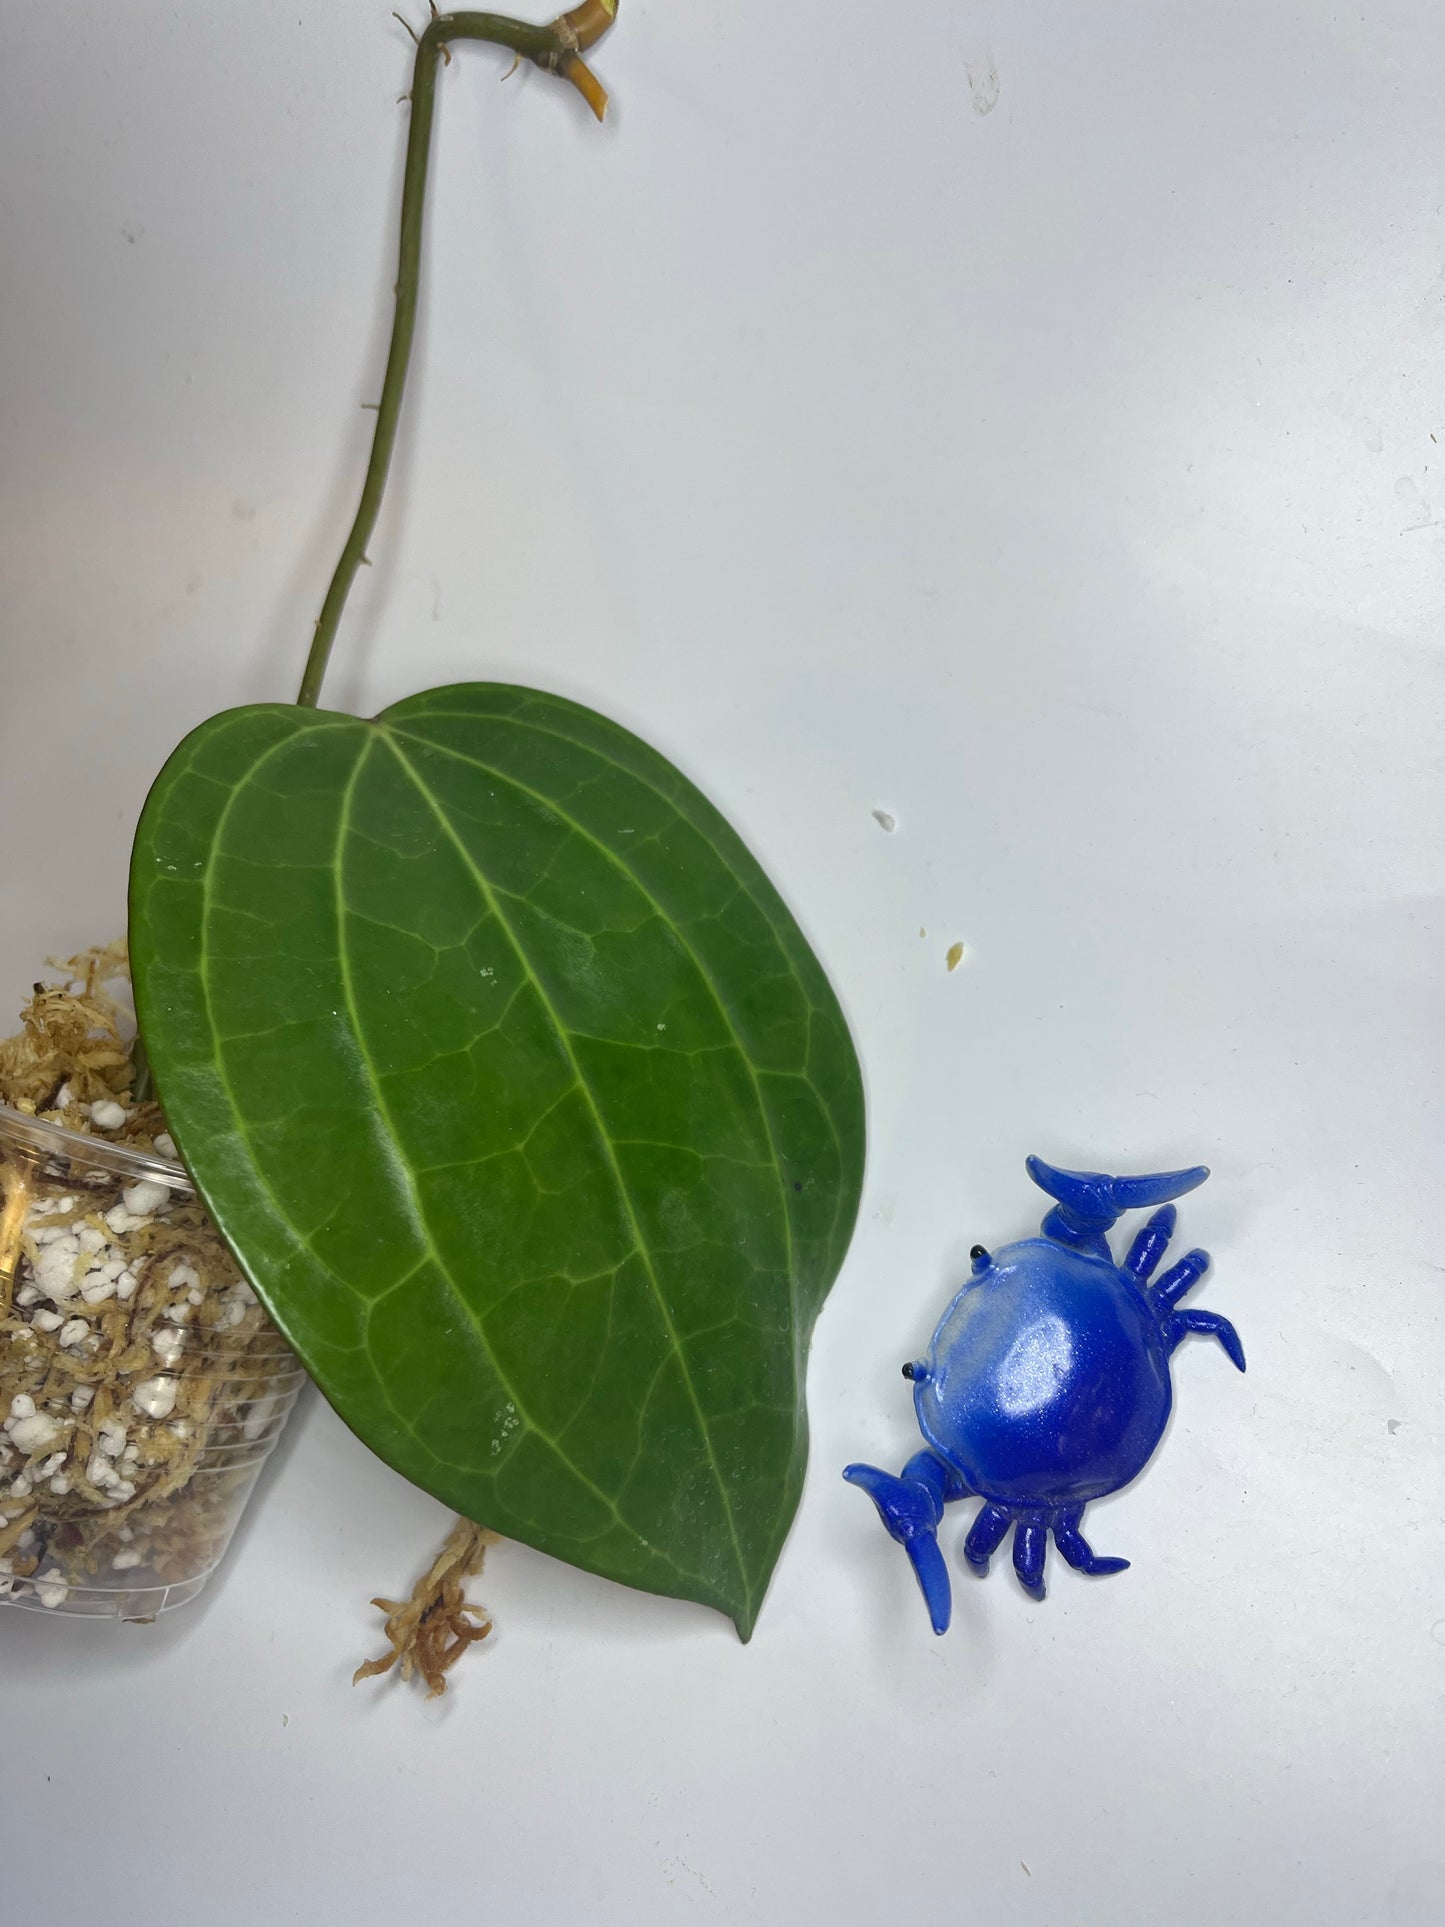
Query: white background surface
1024,426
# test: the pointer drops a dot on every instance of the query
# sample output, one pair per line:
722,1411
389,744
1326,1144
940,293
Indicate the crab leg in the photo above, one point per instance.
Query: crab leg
1151,1244
910,1507
1031,1539
1180,1278
1211,1324
986,1535
1076,1548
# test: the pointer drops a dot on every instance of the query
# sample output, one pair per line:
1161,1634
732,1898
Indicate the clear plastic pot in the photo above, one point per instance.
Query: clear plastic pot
142,1387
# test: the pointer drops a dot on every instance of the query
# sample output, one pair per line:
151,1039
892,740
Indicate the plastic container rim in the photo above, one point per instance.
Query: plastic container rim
38,1134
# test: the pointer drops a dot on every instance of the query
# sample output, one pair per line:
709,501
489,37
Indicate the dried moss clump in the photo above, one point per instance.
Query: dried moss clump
430,1631
75,1049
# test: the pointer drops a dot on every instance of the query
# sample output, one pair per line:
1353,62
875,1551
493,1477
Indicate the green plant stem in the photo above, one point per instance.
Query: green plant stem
555,49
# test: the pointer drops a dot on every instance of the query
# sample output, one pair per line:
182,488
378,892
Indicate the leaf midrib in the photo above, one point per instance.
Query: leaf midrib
801,1326
639,1241
514,719
418,1210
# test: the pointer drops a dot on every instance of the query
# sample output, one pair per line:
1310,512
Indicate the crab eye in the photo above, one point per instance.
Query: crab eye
980,1258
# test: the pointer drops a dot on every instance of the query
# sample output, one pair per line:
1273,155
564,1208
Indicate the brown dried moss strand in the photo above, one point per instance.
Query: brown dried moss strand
15,1190
430,1631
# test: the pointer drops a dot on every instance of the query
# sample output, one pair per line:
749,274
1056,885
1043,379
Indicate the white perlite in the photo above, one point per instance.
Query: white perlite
51,1588
167,1343
55,1265
35,1434
144,1198
156,1397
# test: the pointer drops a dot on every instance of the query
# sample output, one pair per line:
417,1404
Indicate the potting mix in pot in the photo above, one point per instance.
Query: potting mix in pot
141,1383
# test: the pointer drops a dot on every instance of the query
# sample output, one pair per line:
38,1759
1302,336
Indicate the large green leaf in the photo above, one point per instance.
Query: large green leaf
523,1103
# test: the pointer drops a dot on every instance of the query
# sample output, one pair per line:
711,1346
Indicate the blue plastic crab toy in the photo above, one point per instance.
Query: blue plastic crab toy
1047,1382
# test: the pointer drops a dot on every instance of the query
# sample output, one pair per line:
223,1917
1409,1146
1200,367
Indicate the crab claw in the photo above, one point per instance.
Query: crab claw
1161,1187
1090,1201
911,1509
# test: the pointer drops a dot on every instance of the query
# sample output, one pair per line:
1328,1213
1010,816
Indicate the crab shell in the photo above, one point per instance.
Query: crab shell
1047,1380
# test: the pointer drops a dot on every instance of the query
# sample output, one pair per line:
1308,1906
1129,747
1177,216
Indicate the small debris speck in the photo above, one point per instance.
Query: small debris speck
886,820
955,955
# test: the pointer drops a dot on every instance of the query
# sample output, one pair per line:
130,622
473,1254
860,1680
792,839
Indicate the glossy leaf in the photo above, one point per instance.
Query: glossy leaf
523,1102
